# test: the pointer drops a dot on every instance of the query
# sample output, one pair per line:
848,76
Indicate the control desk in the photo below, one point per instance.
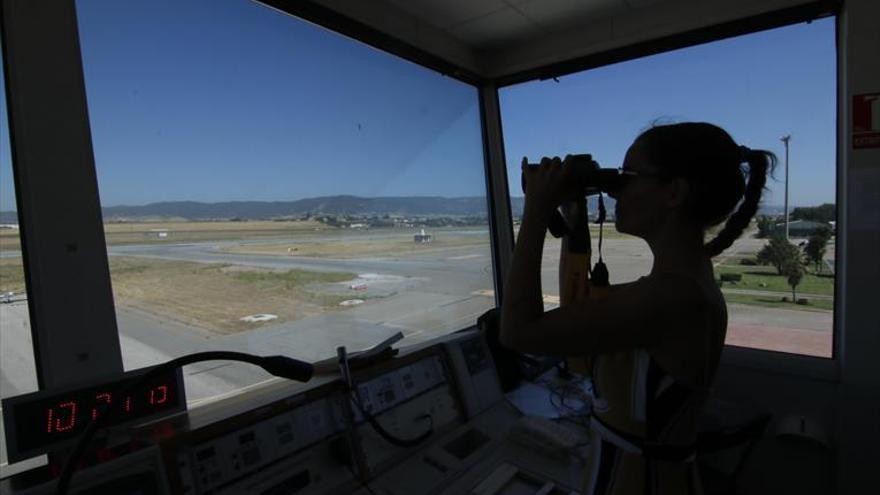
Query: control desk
313,438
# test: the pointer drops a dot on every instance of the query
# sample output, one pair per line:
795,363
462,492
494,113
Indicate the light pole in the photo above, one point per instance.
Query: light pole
785,140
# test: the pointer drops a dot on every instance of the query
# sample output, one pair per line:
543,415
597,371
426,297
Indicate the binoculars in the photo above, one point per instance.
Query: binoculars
590,177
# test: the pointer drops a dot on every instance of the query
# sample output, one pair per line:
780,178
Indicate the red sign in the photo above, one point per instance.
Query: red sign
866,121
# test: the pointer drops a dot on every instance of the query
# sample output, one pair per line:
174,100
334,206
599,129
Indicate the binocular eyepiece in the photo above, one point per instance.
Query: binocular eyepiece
590,177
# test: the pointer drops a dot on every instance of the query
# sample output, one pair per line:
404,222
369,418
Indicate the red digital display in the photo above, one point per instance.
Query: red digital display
36,423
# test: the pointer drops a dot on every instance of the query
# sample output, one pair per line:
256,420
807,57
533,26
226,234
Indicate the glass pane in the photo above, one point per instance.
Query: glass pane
17,372
760,88
272,187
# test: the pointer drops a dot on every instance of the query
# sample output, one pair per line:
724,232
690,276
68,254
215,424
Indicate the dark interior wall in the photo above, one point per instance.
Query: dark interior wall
858,396
845,406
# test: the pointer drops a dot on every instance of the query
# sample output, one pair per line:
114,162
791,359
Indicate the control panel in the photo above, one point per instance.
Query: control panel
218,464
432,419
406,401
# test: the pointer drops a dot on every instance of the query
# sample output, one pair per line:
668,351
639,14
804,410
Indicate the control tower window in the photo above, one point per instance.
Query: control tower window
273,187
760,87
18,374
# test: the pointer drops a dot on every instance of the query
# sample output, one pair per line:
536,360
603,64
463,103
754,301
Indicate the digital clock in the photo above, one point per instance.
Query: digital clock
47,421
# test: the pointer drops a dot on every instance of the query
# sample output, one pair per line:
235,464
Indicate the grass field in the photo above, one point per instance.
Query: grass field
216,296
765,278
209,296
774,302
9,240
396,246
11,275
183,231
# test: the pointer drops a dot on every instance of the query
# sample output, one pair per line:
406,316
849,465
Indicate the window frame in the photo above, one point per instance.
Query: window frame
51,246
760,359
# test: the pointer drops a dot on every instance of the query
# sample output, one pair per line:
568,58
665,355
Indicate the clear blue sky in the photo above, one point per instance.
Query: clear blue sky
227,100
758,87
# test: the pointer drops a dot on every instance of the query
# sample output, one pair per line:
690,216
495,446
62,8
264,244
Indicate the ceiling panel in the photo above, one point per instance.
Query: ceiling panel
494,38
559,15
495,29
448,13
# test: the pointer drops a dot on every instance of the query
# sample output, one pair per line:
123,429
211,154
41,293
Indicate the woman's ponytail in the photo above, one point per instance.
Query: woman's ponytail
760,161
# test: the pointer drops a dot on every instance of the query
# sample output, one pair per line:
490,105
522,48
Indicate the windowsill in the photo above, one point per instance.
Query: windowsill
781,362
9,470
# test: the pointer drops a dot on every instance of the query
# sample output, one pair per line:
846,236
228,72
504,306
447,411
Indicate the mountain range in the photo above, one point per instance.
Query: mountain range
325,205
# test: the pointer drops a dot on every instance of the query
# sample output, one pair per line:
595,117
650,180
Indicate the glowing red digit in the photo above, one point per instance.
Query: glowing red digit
49,425
128,404
105,397
71,419
163,396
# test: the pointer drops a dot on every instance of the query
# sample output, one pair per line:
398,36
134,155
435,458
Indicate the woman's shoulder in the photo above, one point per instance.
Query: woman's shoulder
687,302
682,286
674,293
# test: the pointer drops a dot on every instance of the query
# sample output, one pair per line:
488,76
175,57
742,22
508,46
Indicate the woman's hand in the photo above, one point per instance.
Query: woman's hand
549,185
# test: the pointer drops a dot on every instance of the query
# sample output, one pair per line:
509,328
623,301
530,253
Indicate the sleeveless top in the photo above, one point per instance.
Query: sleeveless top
643,425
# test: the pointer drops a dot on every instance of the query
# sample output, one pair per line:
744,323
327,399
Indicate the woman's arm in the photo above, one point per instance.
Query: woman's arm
639,315
523,302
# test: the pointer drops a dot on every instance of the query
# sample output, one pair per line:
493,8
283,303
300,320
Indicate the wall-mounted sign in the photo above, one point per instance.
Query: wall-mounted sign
866,121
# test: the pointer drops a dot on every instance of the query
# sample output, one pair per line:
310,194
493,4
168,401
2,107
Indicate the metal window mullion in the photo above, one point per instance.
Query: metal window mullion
497,192
72,317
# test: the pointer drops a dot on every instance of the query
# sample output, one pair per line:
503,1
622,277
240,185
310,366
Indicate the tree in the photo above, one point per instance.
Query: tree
777,252
793,269
816,245
824,213
765,227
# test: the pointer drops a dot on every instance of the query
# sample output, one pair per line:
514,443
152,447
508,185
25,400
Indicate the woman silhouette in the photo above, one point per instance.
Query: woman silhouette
655,342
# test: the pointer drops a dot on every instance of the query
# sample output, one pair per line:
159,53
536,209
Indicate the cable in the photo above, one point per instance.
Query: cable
601,221
345,372
561,397
389,437
280,366
600,271
363,483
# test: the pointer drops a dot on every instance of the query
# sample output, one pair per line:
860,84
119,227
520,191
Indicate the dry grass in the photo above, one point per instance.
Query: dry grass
183,231
9,240
184,226
214,296
118,233
209,296
11,275
347,248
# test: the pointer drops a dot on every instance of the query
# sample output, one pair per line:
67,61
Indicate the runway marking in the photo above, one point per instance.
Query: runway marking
548,298
212,368
465,257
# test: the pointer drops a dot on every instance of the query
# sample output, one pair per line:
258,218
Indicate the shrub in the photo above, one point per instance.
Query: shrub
803,301
731,277
748,262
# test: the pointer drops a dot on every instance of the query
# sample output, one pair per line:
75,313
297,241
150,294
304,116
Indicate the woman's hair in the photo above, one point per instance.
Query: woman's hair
707,157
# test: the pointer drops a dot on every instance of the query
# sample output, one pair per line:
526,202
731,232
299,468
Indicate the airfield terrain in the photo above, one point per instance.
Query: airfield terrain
189,289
